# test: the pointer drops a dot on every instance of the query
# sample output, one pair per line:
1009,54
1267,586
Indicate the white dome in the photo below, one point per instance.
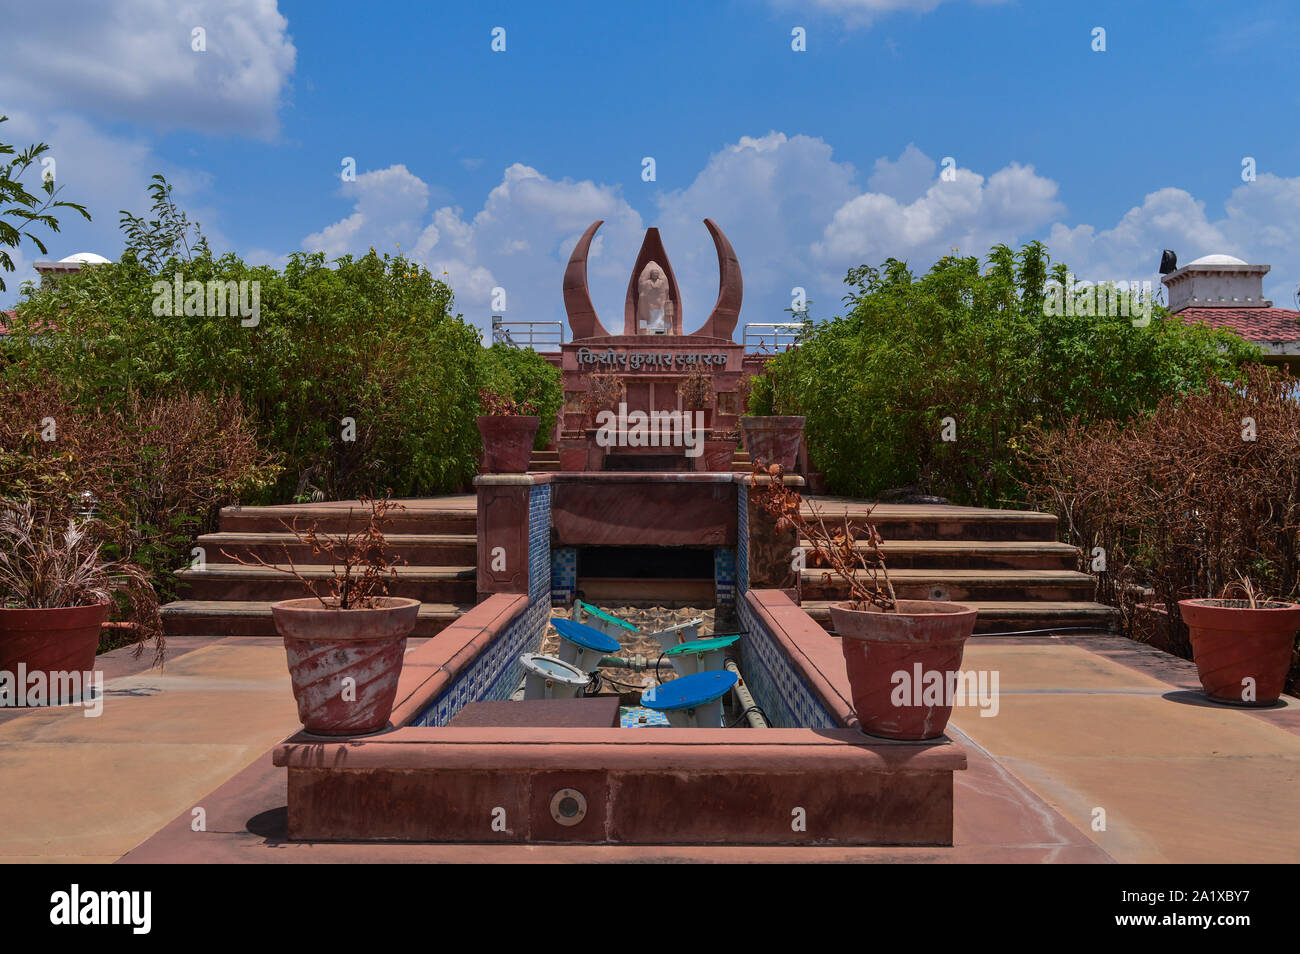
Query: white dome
1217,260
86,258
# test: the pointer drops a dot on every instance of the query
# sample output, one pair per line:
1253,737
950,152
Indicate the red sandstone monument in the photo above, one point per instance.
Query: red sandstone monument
652,354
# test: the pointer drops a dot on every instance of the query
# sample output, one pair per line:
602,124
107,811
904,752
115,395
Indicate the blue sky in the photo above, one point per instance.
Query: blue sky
488,165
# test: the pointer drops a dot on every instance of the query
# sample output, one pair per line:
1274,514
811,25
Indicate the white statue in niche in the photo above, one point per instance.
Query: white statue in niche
654,312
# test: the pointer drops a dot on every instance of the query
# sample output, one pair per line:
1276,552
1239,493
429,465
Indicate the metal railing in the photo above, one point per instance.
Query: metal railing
538,335
773,337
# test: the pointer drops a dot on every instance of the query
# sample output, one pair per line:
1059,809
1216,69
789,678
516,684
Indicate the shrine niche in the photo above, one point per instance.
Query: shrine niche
653,355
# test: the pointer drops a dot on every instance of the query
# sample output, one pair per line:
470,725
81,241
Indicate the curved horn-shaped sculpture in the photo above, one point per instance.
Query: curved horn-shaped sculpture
583,322
726,310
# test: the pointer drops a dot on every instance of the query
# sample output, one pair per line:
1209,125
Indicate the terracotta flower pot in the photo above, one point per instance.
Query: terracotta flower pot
1233,643
51,641
325,646
774,440
595,453
717,456
573,455
882,652
507,442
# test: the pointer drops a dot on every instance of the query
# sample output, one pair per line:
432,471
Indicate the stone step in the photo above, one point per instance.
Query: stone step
253,618
976,554
1001,616
418,549
965,585
432,584
341,516
938,521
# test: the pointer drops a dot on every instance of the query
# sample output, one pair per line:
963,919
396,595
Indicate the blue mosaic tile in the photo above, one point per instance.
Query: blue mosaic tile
639,717
564,575
539,542
742,541
787,699
724,578
496,673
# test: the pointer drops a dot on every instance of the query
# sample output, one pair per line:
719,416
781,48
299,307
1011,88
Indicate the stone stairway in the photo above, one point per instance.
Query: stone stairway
1007,563
435,537
545,460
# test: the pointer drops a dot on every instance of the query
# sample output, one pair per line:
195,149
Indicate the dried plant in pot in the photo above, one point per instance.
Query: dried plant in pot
508,429
902,656
56,591
1242,646
696,392
604,392
345,647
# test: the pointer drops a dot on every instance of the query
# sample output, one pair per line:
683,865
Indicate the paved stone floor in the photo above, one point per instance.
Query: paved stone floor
1084,723
1105,723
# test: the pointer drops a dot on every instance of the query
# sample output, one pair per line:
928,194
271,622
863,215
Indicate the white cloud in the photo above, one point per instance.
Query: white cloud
772,196
906,178
389,207
520,240
968,213
1261,225
135,61
796,216
103,172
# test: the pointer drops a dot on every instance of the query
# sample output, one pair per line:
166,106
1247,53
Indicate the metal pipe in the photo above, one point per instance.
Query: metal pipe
637,663
748,705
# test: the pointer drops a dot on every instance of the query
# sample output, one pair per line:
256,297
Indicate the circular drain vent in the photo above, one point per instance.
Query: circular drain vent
568,807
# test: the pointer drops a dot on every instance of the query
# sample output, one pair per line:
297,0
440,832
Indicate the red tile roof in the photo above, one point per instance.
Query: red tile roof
5,318
1253,324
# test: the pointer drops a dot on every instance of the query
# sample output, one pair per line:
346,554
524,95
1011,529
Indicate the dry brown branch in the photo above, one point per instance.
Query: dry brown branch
360,564
862,569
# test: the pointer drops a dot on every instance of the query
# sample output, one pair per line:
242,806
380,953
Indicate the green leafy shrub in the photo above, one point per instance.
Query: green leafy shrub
355,373
369,339
974,354
759,396
526,378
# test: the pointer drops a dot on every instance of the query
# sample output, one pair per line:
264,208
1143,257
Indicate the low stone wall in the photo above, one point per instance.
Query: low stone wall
824,783
475,659
812,780
793,667
631,786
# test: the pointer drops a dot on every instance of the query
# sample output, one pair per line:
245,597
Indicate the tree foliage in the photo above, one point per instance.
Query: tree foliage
356,373
28,211
973,353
